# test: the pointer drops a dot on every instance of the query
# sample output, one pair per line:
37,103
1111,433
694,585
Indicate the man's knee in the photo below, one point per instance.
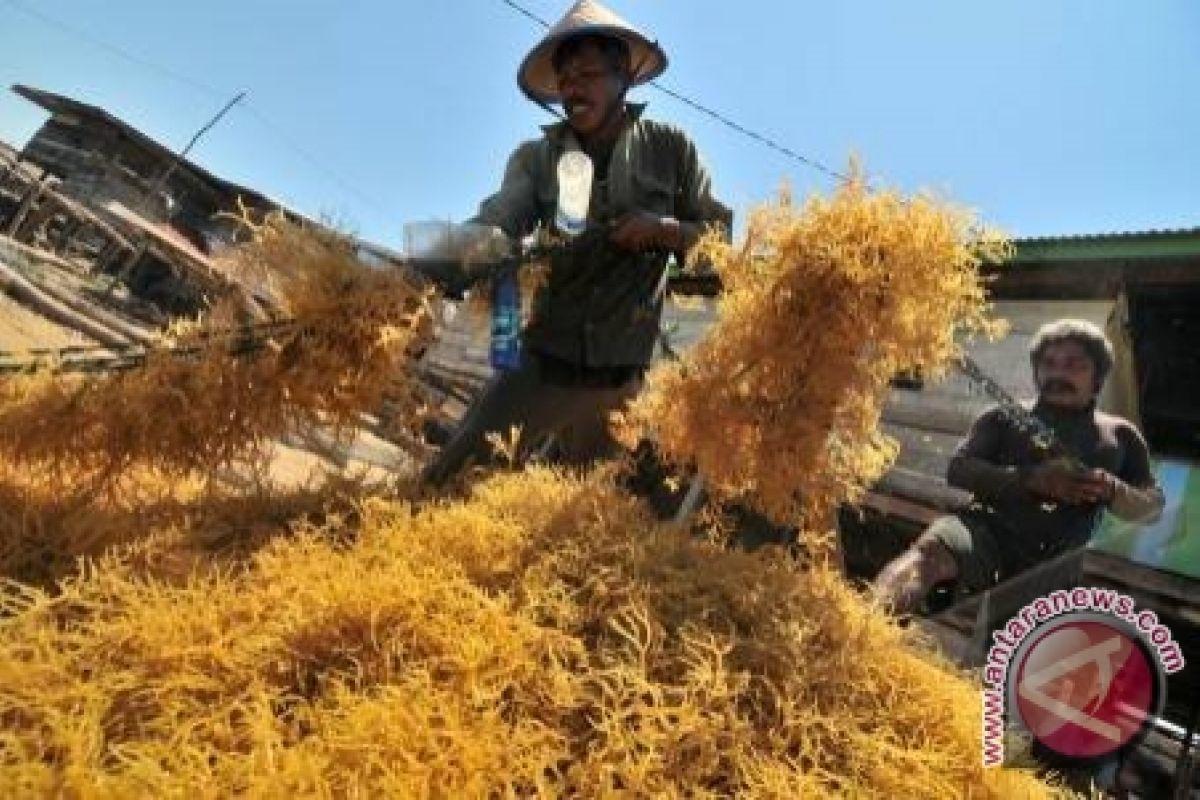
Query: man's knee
927,560
905,581
936,558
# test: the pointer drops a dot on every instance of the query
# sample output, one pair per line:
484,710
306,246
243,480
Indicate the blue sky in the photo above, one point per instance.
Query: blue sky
1048,116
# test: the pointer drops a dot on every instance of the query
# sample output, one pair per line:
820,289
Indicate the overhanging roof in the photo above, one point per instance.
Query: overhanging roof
1115,246
60,104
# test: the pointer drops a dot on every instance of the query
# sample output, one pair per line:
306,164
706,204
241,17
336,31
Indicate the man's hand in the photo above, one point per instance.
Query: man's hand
1059,480
641,230
1103,485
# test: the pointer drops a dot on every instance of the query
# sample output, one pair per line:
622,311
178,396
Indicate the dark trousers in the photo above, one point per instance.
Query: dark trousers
542,398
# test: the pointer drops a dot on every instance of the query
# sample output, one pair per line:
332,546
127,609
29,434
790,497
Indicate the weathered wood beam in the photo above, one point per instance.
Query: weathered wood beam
925,489
25,292
22,212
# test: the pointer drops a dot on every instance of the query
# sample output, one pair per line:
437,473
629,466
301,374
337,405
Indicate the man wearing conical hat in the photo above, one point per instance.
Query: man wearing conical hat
595,323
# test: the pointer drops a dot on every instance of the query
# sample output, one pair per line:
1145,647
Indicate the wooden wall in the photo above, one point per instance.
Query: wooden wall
98,164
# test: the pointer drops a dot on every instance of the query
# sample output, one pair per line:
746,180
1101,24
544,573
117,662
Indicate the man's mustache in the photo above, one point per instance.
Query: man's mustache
1057,385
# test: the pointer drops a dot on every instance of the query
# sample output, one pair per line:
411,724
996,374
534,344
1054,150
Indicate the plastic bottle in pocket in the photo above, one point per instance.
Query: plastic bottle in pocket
505,353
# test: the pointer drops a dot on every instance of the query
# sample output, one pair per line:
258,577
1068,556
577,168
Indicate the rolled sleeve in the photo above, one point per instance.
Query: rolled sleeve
1137,497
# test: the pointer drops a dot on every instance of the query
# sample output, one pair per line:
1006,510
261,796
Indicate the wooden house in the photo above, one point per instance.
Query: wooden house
176,212
1142,288
103,160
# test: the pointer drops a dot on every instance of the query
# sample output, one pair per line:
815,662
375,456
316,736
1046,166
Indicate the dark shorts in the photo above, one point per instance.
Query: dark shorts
987,551
975,547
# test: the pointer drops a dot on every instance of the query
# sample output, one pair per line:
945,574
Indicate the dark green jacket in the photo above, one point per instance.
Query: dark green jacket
602,306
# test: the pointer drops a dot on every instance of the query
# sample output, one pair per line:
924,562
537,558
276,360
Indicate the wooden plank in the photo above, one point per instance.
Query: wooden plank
23,250
923,451
71,299
925,462
27,203
930,411
457,375
24,291
1175,587
932,441
925,489
900,508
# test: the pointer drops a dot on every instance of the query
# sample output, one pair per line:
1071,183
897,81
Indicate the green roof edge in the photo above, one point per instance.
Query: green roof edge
1136,245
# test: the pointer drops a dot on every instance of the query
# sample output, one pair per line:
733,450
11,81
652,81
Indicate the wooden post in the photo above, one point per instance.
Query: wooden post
126,270
69,234
37,221
14,224
25,292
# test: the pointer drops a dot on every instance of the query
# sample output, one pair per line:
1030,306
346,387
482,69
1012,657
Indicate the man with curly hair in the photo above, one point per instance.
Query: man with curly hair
1030,505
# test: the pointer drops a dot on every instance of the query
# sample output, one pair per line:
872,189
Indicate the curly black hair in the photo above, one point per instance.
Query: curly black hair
1087,334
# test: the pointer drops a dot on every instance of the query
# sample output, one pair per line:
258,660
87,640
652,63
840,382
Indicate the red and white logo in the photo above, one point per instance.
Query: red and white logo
1084,685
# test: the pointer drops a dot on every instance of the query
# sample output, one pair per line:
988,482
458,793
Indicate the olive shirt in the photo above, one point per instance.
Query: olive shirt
1009,528
601,306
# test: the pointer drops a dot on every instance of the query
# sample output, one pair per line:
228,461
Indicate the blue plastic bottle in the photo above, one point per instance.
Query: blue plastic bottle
506,321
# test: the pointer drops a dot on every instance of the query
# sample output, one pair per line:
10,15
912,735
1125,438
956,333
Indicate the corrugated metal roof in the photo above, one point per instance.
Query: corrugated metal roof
56,103
1168,243
1109,235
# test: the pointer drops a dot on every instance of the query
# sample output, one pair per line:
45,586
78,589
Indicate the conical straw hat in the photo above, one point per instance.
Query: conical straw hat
537,78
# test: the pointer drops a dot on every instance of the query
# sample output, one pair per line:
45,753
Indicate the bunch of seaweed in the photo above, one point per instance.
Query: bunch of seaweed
218,390
822,305
543,637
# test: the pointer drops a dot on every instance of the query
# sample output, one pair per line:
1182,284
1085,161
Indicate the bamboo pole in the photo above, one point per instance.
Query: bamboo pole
99,315
27,203
25,292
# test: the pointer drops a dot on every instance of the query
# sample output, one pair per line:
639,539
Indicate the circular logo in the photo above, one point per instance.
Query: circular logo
1085,685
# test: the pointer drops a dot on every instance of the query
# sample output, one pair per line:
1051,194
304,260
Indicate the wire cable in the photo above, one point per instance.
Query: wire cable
696,105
